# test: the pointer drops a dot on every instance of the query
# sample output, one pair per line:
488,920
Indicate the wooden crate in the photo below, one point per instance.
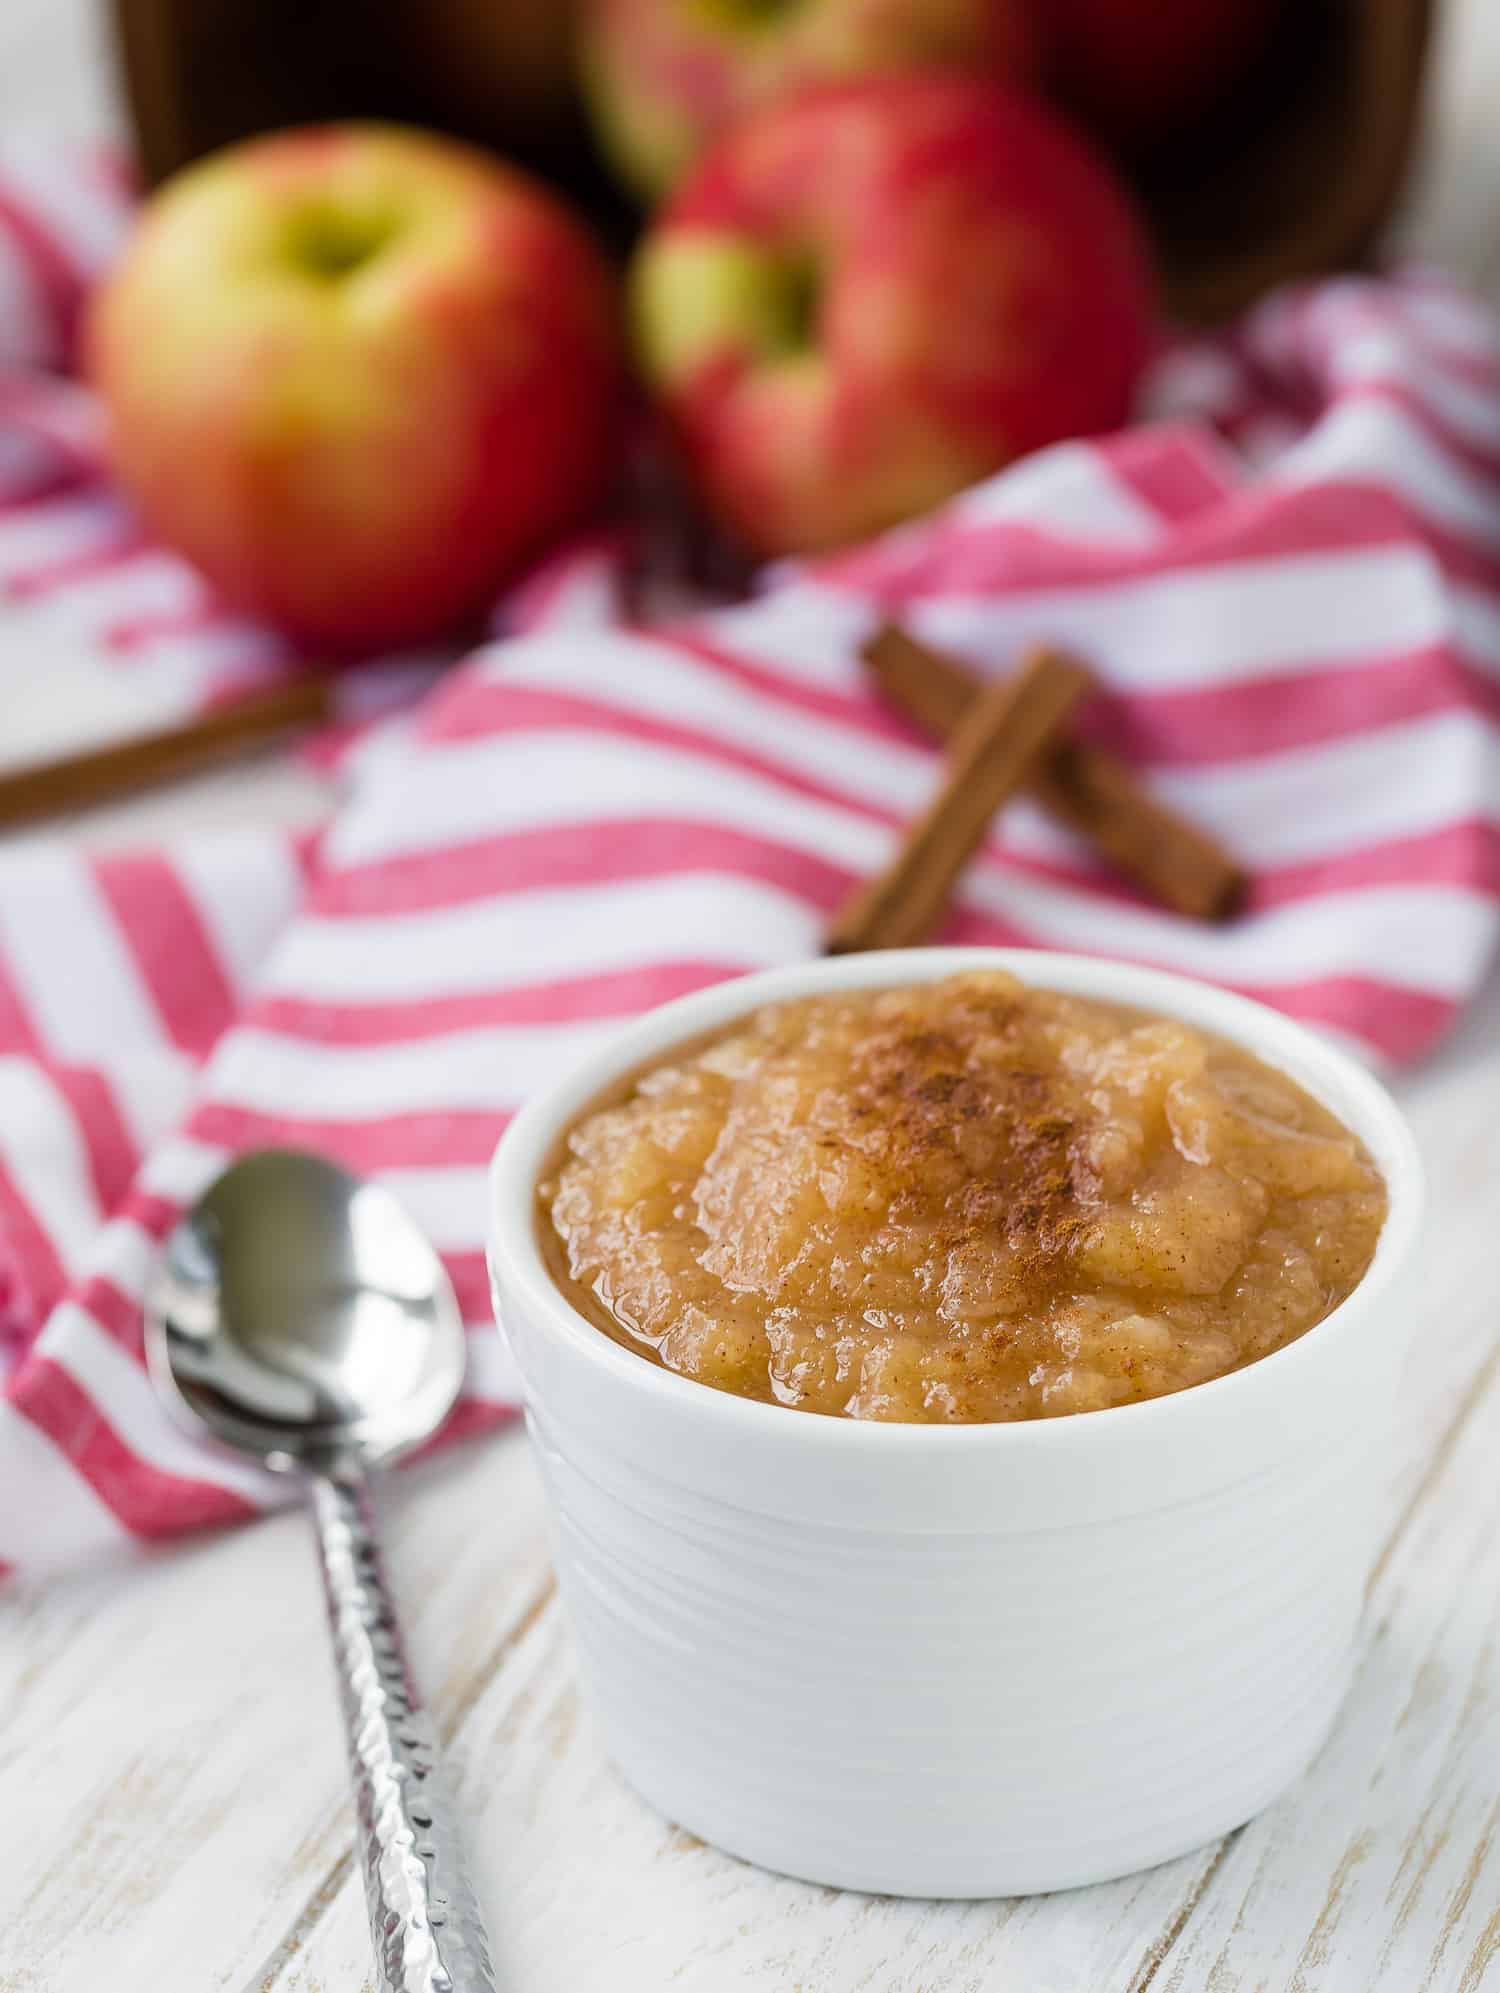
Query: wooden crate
1295,176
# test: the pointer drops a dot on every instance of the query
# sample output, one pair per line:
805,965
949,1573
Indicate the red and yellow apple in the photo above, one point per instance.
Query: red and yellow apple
358,374
663,75
1139,74
870,295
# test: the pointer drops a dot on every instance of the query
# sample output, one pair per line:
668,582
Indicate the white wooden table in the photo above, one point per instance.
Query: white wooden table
173,1812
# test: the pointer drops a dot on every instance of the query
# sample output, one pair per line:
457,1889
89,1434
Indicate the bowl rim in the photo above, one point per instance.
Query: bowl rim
1315,1062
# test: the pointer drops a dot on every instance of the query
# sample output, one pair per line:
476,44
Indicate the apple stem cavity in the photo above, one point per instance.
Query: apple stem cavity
330,242
797,302
745,13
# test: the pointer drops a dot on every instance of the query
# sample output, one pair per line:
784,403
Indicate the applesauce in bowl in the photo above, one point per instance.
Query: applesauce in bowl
965,1200
936,1641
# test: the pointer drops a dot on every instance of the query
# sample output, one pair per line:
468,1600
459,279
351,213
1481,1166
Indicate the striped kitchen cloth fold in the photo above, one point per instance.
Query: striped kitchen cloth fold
1297,630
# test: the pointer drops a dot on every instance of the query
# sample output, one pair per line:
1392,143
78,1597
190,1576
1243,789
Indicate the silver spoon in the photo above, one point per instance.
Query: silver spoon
301,1317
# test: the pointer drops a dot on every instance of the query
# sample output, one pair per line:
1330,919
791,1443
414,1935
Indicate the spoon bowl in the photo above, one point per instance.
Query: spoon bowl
299,1314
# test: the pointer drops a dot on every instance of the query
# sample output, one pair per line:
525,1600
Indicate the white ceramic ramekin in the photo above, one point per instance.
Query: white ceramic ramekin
971,1660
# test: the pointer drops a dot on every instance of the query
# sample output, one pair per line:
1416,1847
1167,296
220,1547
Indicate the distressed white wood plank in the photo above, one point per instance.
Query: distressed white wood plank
1382,1869
585,1886
170,1752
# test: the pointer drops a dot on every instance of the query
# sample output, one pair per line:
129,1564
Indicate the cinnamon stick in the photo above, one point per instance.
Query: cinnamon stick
1087,789
991,754
104,774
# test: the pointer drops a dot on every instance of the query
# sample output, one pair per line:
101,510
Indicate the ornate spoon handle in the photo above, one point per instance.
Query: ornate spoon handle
424,1917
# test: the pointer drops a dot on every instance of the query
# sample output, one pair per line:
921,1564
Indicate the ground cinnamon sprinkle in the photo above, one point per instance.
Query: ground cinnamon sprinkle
916,1092
967,1200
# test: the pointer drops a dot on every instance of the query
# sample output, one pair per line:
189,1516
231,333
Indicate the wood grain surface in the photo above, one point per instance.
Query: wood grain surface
173,1812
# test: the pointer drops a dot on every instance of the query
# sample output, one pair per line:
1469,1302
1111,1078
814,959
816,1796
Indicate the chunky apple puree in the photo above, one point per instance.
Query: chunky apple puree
967,1200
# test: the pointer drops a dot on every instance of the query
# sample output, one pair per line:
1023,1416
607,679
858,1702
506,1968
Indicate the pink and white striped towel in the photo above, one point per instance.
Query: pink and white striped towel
1299,632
